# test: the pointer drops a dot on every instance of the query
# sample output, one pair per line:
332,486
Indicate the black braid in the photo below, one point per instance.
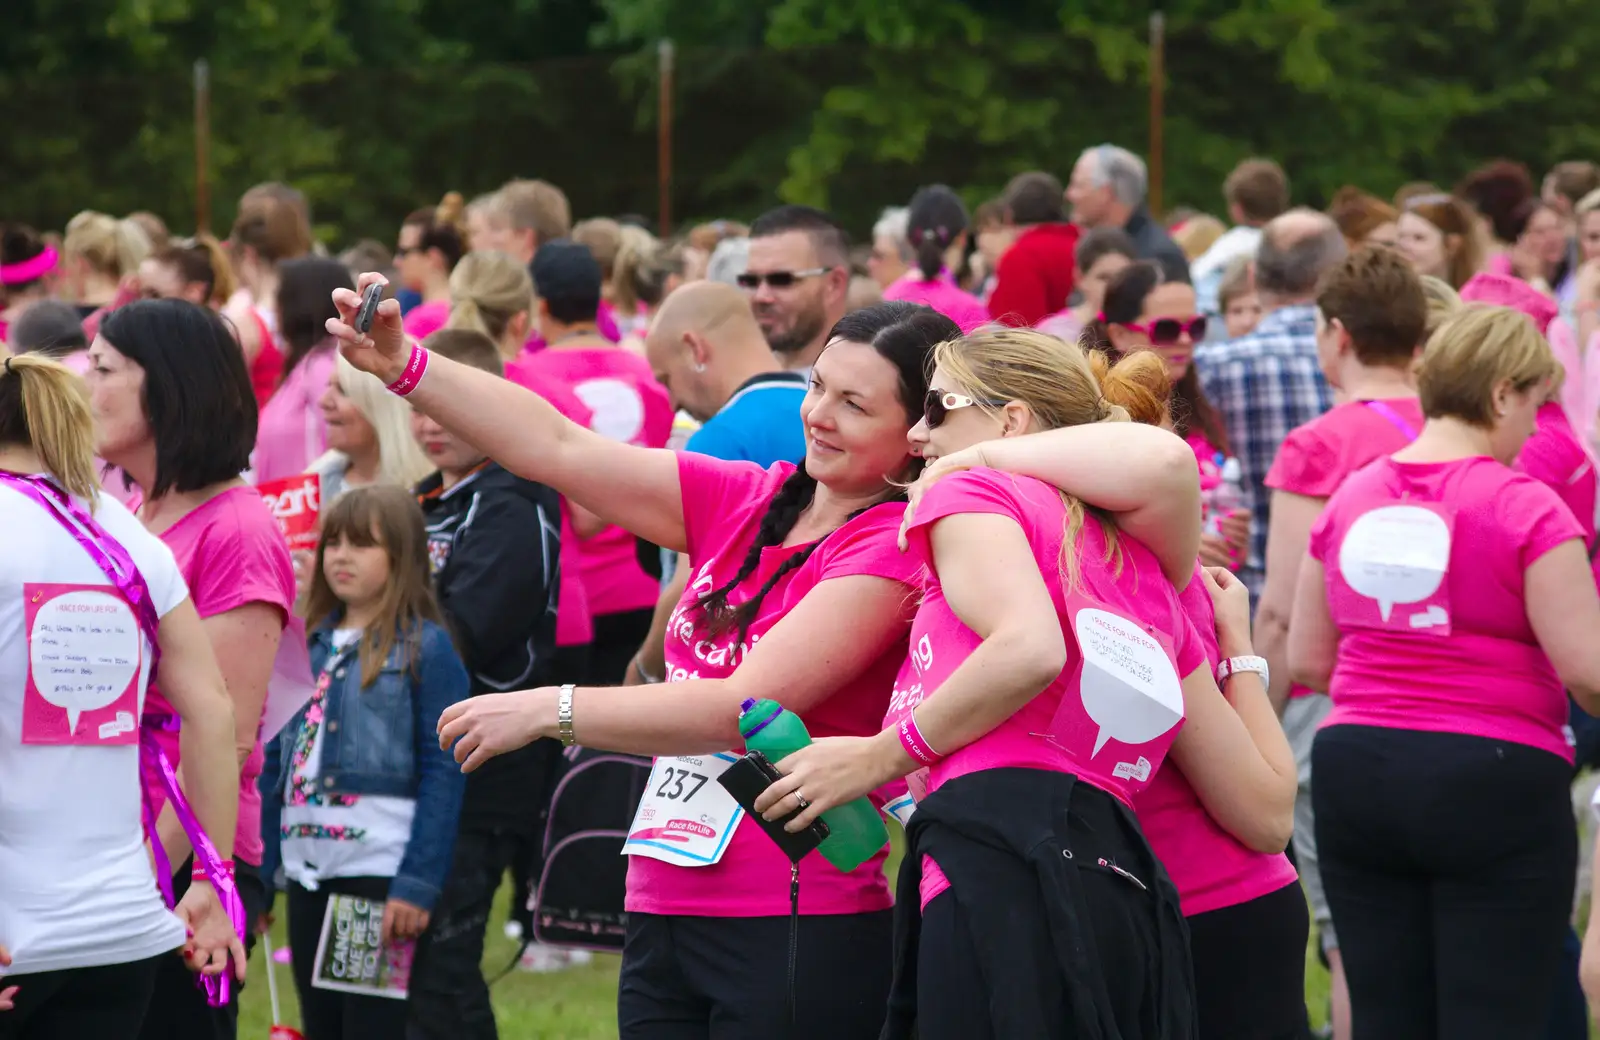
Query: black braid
782,513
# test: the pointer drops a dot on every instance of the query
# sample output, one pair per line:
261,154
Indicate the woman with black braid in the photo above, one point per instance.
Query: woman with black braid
798,593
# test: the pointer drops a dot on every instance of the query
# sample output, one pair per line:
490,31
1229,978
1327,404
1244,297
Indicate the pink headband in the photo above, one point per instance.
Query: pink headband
31,270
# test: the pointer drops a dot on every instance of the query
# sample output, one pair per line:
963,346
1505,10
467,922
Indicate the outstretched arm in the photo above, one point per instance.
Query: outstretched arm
635,488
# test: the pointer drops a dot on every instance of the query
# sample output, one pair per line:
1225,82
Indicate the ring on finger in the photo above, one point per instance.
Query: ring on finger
798,797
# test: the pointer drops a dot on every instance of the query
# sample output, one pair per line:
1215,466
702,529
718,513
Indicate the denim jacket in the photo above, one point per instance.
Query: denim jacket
382,740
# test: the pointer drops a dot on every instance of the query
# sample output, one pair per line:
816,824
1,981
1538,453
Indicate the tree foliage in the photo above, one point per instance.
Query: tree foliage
377,106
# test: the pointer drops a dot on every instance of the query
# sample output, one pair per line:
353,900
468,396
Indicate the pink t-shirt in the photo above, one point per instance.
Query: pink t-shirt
1450,656
1207,457
292,430
1211,867
1134,614
723,503
627,404
1554,457
425,319
963,308
1316,458
231,553
574,623
1139,597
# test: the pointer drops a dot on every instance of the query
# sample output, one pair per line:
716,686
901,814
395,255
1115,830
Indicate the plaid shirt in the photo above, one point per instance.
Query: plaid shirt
1264,384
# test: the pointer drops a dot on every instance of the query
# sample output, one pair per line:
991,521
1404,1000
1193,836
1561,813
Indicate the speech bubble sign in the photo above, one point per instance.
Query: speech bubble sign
1130,688
83,651
1396,554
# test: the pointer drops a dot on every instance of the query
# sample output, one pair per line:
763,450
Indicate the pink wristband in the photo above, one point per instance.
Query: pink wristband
916,745
416,365
201,874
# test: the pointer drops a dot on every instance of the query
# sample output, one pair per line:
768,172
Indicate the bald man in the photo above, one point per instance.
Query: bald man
708,351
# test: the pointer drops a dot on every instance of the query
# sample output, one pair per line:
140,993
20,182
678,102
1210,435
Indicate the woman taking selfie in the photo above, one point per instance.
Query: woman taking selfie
796,558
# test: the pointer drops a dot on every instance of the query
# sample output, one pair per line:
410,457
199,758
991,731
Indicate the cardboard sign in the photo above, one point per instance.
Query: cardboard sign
351,957
296,503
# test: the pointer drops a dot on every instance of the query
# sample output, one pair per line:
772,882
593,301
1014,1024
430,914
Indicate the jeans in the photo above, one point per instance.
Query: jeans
449,996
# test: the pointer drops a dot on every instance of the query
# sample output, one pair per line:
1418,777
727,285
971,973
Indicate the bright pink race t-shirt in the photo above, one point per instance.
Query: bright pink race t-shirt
626,404
292,430
574,624
1455,655
1211,867
231,553
425,319
1555,457
723,503
943,295
1316,458
1108,732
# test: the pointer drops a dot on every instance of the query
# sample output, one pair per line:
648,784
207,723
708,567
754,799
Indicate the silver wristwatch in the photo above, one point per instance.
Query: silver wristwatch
564,715
1235,665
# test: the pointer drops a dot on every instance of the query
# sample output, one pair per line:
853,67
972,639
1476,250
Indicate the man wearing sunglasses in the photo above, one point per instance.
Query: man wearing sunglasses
797,280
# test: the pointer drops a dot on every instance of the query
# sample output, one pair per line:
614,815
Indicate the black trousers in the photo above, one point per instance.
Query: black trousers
726,978
329,1014
103,1003
179,1010
1449,863
1250,967
449,996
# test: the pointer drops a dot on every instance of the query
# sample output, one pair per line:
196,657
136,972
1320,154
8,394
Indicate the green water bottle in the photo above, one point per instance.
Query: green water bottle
856,831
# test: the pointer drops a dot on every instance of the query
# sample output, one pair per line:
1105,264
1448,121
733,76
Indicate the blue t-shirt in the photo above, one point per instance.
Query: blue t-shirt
760,423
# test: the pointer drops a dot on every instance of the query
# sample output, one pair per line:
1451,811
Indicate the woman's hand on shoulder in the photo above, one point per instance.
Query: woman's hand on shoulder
932,473
383,350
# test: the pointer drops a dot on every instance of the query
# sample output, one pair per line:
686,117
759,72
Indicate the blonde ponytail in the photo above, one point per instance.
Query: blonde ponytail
45,406
1136,389
487,290
111,247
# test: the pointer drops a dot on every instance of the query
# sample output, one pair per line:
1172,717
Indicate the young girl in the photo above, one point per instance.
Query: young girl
360,798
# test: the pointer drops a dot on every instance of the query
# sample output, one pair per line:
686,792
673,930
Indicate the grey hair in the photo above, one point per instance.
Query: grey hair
729,260
1122,170
1290,267
895,224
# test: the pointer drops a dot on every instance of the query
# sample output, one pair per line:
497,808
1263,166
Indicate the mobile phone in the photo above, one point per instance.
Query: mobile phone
745,780
369,307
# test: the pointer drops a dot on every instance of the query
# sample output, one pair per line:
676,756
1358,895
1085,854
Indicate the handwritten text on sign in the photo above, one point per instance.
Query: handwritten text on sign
84,649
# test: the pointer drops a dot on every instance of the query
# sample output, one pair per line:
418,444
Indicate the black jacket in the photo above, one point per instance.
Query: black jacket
1153,243
1050,872
494,542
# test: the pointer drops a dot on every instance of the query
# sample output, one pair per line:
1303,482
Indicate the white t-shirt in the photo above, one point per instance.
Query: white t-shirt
76,888
343,835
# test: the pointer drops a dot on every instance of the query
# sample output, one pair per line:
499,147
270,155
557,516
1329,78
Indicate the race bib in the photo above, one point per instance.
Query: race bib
685,818
1392,568
84,654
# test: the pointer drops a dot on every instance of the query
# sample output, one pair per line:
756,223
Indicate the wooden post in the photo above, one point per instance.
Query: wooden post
664,138
1158,89
202,147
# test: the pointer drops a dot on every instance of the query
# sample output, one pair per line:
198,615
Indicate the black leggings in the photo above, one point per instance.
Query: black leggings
1449,863
329,1014
1250,967
104,1003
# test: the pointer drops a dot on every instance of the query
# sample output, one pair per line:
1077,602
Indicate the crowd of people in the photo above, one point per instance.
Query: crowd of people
1079,542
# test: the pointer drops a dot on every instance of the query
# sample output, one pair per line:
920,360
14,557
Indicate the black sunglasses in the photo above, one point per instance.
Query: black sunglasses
778,279
938,404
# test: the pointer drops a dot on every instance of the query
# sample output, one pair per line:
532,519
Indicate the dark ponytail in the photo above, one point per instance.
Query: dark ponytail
934,220
904,334
1124,302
